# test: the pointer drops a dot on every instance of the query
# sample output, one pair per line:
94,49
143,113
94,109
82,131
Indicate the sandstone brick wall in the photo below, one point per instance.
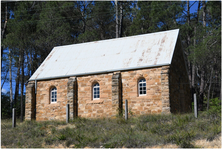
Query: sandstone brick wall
51,111
180,96
30,101
72,99
117,103
165,93
147,104
87,107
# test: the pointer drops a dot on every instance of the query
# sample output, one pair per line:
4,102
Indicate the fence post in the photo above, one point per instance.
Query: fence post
195,106
126,109
13,117
67,113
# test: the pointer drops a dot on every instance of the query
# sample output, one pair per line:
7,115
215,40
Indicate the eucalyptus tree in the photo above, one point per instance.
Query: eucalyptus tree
206,52
100,22
155,16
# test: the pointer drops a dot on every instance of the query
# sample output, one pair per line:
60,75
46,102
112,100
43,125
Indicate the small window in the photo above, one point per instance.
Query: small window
53,95
96,91
142,87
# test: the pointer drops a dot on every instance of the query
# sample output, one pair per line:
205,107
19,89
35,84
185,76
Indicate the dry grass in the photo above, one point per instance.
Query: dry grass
144,131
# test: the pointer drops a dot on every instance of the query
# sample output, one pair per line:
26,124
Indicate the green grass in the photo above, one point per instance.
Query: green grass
137,132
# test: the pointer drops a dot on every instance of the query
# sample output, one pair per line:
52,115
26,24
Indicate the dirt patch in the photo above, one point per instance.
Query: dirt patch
54,146
203,143
58,145
64,126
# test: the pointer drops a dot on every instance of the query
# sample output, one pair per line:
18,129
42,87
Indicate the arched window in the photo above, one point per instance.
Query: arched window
96,91
142,87
53,95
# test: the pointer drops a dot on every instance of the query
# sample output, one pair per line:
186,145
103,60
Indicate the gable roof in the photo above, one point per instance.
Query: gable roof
142,51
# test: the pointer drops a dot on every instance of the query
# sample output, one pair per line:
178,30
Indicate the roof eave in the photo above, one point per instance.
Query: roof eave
99,72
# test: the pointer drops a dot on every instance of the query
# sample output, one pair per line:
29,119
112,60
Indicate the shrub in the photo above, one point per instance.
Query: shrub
62,137
215,106
50,140
181,138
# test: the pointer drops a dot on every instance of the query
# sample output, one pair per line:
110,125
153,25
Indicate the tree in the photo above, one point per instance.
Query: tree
100,22
206,52
53,29
157,16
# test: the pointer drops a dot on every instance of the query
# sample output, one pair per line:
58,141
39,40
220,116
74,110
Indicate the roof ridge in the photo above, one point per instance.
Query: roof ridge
122,38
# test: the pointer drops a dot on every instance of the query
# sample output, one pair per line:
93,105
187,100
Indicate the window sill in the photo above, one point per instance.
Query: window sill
100,101
142,95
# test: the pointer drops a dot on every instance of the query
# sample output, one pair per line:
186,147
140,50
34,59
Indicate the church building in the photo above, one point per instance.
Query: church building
96,78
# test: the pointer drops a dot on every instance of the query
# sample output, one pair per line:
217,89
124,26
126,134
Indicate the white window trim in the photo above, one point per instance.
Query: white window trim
93,91
55,91
139,87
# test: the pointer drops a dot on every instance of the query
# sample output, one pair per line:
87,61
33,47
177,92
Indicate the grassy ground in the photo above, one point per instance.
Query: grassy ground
137,132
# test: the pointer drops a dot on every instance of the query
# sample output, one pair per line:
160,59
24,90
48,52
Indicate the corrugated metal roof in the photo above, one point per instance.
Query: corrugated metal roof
117,54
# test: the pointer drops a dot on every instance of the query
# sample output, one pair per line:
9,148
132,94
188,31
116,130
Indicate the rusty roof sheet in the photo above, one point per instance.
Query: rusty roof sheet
147,50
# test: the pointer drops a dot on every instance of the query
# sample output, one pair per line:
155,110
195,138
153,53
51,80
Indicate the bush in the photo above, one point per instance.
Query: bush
5,105
62,137
215,106
182,138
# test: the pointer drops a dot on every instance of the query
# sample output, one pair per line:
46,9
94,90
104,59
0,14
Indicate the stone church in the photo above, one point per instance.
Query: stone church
96,78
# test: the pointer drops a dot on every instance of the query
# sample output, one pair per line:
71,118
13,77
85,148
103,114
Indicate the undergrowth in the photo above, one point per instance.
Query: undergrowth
143,131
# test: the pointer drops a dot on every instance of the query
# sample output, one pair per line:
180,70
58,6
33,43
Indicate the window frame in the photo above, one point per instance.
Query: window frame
140,88
53,90
96,87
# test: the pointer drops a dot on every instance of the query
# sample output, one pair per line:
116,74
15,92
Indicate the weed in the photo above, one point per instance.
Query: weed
53,130
68,142
142,127
182,138
50,140
121,121
62,137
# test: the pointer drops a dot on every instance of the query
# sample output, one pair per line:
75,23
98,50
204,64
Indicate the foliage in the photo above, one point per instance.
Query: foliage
215,106
6,111
5,104
140,132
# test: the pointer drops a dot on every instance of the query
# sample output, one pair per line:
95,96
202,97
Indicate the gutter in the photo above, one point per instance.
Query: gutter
99,72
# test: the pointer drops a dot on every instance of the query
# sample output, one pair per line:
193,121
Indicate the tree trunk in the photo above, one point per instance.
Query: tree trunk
3,30
188,43
194,42
6,20
202,76
17,81
22,84
208,96
10,77
117,28
202,81
121,19
204,13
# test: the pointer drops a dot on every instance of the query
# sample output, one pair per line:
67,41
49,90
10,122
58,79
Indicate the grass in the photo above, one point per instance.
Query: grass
143,131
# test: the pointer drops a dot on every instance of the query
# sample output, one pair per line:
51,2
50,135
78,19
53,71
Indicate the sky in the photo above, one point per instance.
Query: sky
6,86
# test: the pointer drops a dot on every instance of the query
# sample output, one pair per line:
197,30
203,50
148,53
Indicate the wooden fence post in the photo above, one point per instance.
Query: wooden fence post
195,106
67,113
13,117
126,109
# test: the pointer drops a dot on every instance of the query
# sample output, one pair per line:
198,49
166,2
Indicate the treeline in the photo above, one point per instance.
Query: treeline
30,29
